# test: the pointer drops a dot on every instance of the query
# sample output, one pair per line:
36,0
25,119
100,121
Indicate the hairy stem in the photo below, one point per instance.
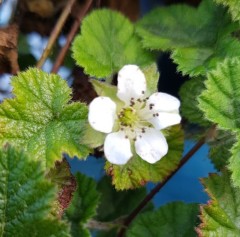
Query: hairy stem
158,187
70,37
55,33
99,225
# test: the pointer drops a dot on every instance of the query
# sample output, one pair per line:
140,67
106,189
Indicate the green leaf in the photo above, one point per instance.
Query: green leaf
61,176
220,101
105,89
198,39
220,148
137,171
174,219
83,205
113,44
220,217
93,138
199,60
115,204
152,76
26,198
234,162
234,7
189,93
40,118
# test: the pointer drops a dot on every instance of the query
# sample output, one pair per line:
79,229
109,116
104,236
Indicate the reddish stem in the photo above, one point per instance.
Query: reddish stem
71,34
158,187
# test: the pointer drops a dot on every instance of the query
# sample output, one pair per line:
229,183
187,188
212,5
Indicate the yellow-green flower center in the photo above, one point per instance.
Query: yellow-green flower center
128,117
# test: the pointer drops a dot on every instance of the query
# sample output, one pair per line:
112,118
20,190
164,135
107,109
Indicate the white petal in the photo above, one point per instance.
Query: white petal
163,102
152,146
102,114
117,148
131,83
164,120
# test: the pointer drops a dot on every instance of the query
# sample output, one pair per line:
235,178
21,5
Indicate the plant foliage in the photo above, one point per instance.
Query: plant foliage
166,222
40,119
233,6
26,198
198,39
113,44
83,205
138,172
220,217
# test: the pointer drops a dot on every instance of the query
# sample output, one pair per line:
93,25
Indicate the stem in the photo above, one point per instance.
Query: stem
98,3
99,225
55,33
70,37
158,187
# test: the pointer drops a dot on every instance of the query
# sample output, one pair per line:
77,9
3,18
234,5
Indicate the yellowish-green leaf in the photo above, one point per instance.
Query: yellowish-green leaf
40,119
152,76
137,171
220,217
220,101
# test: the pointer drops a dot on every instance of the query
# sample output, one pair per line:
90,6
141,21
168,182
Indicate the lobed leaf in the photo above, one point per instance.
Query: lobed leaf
26,198
220,101
198,61
220,217
83,205
115,204
234,7
113,44
137,171
220,148
198,39
174,219
234,162
40,119
189,93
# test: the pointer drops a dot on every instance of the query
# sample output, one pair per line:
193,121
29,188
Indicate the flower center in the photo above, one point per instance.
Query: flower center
128,117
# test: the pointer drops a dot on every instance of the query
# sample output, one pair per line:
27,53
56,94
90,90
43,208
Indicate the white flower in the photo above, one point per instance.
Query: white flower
138,122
